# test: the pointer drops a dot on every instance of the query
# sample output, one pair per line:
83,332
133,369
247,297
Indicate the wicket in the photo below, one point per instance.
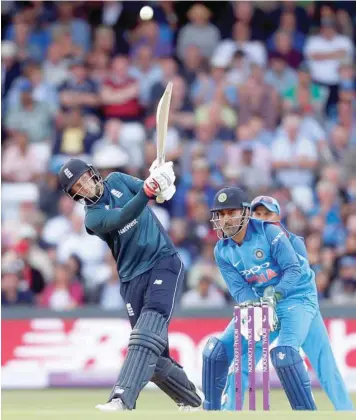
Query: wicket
251,362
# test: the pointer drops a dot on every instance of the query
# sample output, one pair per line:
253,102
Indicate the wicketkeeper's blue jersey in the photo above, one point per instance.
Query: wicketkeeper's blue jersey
266,257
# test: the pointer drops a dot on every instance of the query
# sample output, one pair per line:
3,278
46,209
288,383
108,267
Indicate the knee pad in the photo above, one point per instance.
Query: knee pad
294,378
215,368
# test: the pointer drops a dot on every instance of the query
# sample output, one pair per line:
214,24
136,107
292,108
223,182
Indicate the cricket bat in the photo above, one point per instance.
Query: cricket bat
162,117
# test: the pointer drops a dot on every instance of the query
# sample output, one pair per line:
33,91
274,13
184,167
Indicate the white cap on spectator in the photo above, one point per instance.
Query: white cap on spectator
8,49
110,156
27,232
220,60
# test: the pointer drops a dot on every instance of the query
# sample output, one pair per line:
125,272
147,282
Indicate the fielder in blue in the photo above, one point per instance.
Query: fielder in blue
255,256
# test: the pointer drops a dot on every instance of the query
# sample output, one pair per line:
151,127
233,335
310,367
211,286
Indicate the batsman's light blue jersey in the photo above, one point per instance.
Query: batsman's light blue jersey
265,257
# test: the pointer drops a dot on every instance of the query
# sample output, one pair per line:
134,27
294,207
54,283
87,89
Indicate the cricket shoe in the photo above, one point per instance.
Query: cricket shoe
114,405
182,407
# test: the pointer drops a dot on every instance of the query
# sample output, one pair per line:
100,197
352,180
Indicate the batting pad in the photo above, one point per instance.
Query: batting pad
293,376
215,368
147,341
170,377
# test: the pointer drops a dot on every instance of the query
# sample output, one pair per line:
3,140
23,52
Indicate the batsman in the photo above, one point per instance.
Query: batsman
150,269
259,262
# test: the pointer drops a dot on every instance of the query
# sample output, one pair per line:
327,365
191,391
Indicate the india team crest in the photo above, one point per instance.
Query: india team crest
259,254
222,198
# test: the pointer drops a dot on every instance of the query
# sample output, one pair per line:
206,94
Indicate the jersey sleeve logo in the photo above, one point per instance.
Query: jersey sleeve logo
277,238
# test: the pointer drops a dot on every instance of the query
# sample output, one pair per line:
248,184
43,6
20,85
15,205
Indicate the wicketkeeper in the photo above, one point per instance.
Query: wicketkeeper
259,263
316,345
150,270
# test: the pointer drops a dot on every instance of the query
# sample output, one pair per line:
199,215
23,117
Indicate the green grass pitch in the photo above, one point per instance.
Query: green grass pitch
77,404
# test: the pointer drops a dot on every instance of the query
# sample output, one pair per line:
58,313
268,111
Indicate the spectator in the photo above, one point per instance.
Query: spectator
206,295
239,69
108,294
89,249
322,284
343,289
29,116
10,67
169,69
148,33
328,209
207,85
110,158
104,41
11,292
120,93
74,139
294,156
49,190
98,66
284,47
287,24
212,148
41,91
186,242
254,50
79,90
317,95
64,293
198,32
289,7
75,266
55,67
128,139
21,161
265,101
199,183
280,76
246,13
146,72
32,277
325,52
192,62
57,228
79,29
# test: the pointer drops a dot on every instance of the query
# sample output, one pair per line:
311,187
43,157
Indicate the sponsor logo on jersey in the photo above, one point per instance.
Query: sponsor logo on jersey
127,227
116,193
277,238
254,270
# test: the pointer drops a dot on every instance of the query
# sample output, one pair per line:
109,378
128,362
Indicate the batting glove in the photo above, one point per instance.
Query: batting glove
160,180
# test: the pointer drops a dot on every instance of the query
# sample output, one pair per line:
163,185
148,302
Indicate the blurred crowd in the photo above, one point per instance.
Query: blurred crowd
264,97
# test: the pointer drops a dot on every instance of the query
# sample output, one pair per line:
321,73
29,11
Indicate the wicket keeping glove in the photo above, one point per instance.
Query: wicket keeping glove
271,298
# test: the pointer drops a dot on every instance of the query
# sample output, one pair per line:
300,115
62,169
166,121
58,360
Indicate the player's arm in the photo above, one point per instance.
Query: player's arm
133,184
299,246
239,289
285,256
100,220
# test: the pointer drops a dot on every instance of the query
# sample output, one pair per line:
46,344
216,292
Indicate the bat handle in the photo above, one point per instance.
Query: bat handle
160,162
